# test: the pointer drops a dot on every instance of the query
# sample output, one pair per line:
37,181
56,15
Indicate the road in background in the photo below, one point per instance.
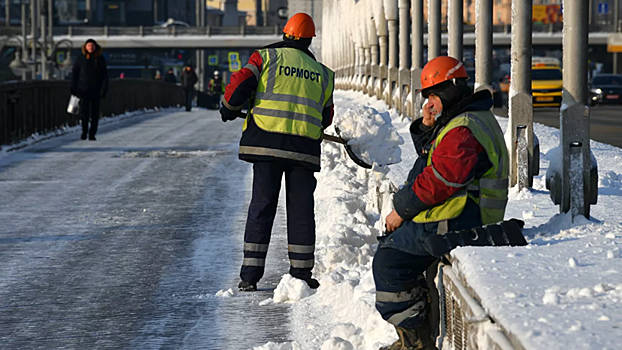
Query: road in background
605,121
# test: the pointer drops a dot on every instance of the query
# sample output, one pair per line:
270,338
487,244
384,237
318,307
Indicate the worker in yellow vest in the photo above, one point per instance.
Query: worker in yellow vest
459,182
290,102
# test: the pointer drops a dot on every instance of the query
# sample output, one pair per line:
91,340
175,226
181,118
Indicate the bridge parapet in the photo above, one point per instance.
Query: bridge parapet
151,31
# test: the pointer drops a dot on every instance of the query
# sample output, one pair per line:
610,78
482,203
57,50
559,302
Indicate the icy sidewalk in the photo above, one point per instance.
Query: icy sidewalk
563,291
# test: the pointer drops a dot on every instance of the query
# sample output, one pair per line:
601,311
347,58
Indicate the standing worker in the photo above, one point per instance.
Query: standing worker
188,79
89,81
459,181
216,88
291,103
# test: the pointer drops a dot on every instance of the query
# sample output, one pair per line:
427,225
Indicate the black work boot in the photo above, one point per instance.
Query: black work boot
312,283
413,339
247,286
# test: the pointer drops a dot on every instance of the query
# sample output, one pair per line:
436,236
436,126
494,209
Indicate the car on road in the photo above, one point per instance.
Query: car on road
546,84
606,88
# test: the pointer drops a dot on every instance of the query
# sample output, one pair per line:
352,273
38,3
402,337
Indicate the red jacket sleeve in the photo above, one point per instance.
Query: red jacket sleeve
243,83
454,161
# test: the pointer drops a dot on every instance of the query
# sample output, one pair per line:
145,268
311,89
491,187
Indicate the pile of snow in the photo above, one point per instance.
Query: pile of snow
562,291
291,289
369,133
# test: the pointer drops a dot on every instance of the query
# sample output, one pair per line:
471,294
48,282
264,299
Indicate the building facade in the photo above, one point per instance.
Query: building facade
112,12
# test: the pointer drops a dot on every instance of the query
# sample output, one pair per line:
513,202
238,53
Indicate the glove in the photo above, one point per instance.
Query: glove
227,114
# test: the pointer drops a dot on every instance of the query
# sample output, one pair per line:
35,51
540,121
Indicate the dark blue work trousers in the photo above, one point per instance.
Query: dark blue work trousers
300,184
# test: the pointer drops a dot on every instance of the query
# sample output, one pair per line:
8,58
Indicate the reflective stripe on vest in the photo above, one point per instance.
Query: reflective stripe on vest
492,188
292,91
278,153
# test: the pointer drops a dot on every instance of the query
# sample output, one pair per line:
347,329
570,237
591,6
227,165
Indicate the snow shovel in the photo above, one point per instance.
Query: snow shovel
332,138
358,161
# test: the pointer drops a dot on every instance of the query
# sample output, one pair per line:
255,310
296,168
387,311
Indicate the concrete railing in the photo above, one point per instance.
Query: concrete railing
465,325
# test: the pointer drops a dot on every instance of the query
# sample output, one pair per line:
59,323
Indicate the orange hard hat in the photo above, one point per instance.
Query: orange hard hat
441,69
300,26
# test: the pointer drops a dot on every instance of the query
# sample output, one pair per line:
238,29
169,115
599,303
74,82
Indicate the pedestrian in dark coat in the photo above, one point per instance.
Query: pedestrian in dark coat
89,81
188,80
169,77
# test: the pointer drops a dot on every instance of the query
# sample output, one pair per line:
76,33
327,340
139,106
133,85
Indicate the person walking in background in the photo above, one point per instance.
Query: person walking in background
158,75
188,79
282,139
169,77
89,81
216,88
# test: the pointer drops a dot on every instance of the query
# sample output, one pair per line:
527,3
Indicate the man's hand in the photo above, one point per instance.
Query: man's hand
227,114
428,116
393,221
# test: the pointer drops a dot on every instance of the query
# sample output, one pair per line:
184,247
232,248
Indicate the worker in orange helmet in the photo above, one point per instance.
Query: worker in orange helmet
459,181
290,103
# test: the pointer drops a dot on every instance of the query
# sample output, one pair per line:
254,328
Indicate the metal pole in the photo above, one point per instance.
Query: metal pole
520,99
258,13
455,29
89,10
24,37
404,72
44,61
7,13
483,45
51,21
577,190
34,17
575,115
522,158
616,19
434,29
416,56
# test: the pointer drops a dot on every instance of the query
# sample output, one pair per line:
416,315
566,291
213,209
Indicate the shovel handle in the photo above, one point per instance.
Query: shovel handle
334,138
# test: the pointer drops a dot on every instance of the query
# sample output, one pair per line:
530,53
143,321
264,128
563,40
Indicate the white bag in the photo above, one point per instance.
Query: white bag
74,105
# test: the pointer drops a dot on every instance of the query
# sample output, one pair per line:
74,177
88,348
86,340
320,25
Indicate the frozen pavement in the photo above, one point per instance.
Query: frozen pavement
124,243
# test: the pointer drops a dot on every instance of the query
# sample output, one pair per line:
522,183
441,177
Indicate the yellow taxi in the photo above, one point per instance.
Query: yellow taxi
546,82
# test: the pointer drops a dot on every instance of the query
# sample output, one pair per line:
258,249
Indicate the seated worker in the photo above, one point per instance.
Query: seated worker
460,181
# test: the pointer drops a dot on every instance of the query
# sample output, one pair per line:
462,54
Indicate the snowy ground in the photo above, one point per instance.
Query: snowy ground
563,291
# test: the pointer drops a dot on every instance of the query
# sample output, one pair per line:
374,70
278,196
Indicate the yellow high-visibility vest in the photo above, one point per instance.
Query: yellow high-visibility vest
292,91
492,187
